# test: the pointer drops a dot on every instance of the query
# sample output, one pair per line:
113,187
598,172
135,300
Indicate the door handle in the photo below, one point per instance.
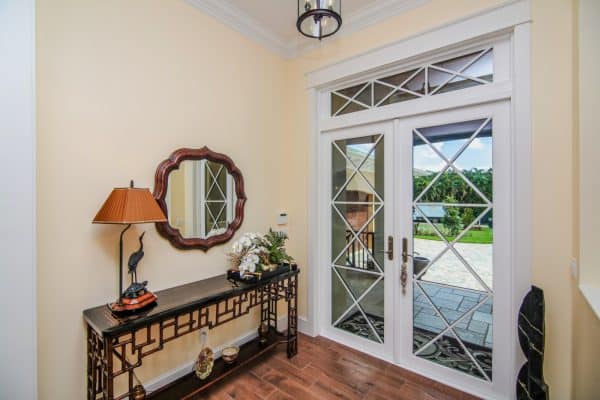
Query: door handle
404,267
390,250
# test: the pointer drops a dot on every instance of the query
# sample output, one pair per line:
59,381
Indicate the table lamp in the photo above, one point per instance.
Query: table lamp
127,206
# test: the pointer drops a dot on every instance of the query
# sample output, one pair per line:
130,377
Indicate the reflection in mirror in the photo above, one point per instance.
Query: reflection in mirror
200,198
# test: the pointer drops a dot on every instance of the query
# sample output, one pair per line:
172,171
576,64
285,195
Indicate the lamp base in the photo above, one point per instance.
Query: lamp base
131,305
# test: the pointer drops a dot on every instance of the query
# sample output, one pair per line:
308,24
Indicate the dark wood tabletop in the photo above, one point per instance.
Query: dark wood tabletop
172,301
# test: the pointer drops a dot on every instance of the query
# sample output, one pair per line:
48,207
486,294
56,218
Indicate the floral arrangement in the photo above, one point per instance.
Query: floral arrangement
254,253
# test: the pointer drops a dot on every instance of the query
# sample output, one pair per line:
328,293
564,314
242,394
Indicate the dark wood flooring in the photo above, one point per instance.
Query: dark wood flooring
324,370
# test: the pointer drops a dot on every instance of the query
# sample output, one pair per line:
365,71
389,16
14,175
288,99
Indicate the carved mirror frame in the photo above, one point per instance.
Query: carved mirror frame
161,182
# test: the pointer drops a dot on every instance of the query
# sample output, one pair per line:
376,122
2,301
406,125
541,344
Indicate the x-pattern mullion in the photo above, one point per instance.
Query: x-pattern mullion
353,99
356,302
450,327
441,253
356,170
400,87
469,268
460,71
364,271
216,220
211,215
357,235
215,182
450,246
458,74
471,185
449,163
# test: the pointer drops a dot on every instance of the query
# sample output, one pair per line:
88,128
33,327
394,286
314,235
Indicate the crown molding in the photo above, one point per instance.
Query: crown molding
244,24
254,30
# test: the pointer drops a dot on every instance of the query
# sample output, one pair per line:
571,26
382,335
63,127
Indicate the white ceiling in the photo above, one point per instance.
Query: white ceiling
280,15
272,23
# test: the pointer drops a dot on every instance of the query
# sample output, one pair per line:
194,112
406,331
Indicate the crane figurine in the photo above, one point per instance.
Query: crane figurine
137,290
135,258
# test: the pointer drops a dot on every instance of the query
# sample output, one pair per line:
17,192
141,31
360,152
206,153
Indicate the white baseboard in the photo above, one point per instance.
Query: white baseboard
304,326
186,368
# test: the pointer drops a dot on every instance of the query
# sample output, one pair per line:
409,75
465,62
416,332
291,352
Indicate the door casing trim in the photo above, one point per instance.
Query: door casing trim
511,20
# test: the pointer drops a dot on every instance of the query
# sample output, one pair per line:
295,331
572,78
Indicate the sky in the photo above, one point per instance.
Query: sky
477,155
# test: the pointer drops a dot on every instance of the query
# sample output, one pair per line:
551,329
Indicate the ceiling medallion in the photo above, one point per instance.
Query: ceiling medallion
319,19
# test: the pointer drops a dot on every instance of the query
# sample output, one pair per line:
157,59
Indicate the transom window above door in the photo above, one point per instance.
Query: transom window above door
456,73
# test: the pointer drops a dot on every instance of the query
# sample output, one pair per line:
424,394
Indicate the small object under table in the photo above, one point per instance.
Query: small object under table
182,310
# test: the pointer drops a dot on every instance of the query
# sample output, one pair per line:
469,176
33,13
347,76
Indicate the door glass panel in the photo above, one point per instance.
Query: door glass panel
357,236
399,79
398,96
381,92
351,91
483,68
437,78
453,243
337,102
351,107
427,321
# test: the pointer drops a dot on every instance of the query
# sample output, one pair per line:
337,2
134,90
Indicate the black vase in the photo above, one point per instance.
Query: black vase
530,383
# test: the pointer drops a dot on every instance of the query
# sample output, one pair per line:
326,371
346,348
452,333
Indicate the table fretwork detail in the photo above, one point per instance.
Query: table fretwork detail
110,356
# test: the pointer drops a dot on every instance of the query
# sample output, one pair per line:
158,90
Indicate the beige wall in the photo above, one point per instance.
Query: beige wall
121,84
552,213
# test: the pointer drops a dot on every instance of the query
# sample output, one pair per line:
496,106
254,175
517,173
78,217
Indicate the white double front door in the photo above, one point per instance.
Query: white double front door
416,253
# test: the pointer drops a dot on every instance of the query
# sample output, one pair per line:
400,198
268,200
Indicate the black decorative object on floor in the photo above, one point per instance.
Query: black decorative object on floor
530,383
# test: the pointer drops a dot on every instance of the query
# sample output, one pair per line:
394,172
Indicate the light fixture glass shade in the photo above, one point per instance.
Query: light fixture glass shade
319,18
130,206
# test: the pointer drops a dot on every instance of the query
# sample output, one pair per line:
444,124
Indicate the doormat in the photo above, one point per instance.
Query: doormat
358,325
448,351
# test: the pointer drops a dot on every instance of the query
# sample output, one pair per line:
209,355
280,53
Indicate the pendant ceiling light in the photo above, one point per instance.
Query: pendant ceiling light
319,18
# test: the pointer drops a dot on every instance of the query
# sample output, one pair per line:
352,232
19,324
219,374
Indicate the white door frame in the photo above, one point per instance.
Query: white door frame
511,20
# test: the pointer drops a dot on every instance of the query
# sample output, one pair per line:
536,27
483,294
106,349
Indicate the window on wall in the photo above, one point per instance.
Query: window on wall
467,70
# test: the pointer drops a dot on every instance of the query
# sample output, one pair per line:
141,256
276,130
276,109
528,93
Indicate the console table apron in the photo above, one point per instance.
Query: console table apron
116,347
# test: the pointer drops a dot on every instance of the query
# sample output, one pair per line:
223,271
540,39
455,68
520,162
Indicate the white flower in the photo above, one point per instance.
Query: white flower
237,247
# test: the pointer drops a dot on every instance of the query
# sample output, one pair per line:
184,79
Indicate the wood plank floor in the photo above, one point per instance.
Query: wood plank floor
324,370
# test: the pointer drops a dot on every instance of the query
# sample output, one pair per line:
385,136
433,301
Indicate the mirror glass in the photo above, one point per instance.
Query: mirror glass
200,199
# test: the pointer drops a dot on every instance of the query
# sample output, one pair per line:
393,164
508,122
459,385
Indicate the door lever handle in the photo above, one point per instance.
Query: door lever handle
403,270
390,250
405,254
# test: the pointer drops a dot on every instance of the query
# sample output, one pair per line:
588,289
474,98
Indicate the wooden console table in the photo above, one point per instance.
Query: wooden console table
116,347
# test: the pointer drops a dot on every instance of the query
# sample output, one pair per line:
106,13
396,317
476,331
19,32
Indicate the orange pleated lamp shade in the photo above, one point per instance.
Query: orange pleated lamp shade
130,206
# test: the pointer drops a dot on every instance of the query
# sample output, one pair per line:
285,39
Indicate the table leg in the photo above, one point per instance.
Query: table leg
91,370
108,372
292,333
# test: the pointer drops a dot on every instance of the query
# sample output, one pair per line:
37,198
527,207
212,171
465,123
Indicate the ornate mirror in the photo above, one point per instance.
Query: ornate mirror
202,194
